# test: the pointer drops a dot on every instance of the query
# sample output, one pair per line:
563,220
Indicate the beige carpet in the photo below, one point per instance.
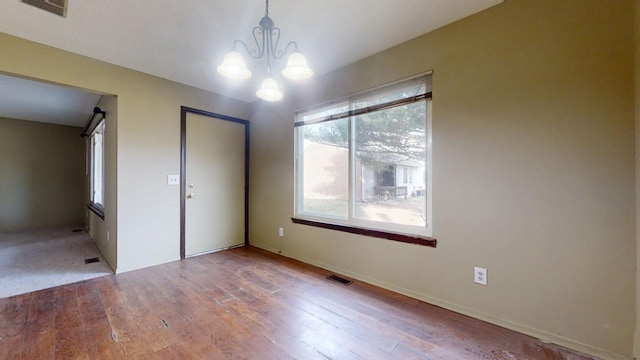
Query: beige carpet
36,260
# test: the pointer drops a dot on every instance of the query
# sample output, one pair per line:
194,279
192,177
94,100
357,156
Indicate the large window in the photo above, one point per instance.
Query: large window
96,168
365,162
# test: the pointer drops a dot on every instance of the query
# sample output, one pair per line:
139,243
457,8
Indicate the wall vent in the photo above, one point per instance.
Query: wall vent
58,7
340,279
91,260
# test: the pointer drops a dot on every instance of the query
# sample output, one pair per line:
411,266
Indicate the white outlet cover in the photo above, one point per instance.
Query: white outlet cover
480,275
173,179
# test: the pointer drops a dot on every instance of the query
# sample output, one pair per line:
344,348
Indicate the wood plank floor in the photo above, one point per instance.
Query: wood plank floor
245,304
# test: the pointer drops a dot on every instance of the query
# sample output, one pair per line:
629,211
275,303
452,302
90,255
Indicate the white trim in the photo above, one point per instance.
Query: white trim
214,251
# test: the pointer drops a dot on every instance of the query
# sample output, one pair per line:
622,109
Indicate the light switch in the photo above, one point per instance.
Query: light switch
173,179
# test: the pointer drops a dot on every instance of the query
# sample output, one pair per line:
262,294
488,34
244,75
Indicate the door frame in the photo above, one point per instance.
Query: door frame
184,110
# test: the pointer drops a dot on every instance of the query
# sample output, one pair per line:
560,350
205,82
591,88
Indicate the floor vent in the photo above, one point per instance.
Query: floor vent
91,260
339,279
76,230
58,7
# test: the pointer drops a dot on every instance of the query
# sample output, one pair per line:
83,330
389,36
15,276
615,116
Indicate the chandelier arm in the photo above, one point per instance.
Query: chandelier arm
275,33
250,52
285,51
258,31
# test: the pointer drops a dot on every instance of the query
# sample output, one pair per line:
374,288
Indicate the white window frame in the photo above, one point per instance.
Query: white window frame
97,167
351,220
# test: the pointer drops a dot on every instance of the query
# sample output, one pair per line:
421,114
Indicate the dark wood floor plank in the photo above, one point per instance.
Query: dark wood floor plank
13,323
246,303
332,315
150,310
122,327
189,274
69,328
282,305
39,341
275,332
92,314
220,316
192,314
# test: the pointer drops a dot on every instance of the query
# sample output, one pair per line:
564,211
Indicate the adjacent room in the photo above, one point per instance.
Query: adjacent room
330,180
43,187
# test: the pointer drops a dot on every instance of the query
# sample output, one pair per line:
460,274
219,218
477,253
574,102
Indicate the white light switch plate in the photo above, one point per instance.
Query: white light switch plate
173,179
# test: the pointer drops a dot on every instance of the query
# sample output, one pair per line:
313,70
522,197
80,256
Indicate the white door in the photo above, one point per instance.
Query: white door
215,184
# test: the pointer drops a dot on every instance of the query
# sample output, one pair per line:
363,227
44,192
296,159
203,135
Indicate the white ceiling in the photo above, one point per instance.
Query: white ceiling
185,40
36,101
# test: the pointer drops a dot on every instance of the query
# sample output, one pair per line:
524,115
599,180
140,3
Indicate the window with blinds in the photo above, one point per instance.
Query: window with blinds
366,161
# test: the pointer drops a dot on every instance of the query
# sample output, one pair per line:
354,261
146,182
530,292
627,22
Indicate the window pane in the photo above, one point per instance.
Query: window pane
324,156
97,165
98,170
390,165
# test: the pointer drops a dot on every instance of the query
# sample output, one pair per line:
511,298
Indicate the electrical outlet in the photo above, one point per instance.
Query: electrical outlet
173,179
480,275
281,231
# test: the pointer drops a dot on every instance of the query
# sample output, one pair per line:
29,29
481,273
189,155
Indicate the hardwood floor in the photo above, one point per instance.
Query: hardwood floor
245,304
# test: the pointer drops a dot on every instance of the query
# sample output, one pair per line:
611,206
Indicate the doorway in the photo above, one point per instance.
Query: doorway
47,235
214,182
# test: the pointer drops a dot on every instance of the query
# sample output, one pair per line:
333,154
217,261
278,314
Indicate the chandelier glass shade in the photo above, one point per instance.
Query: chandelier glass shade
269,90
266,37
297,68
234,67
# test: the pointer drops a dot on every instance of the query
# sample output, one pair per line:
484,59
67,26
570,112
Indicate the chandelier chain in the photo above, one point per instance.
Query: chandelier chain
266,9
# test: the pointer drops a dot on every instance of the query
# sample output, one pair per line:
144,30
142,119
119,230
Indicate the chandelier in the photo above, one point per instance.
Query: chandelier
266,36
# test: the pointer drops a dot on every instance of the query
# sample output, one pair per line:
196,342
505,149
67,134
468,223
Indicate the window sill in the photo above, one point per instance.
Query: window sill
411,239
97,210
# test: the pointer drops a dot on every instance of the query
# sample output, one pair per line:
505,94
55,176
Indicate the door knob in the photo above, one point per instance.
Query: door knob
191,196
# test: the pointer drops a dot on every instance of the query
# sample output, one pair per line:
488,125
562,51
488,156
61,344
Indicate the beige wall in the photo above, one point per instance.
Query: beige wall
533,173
533,167
637,133
148,143
41,175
